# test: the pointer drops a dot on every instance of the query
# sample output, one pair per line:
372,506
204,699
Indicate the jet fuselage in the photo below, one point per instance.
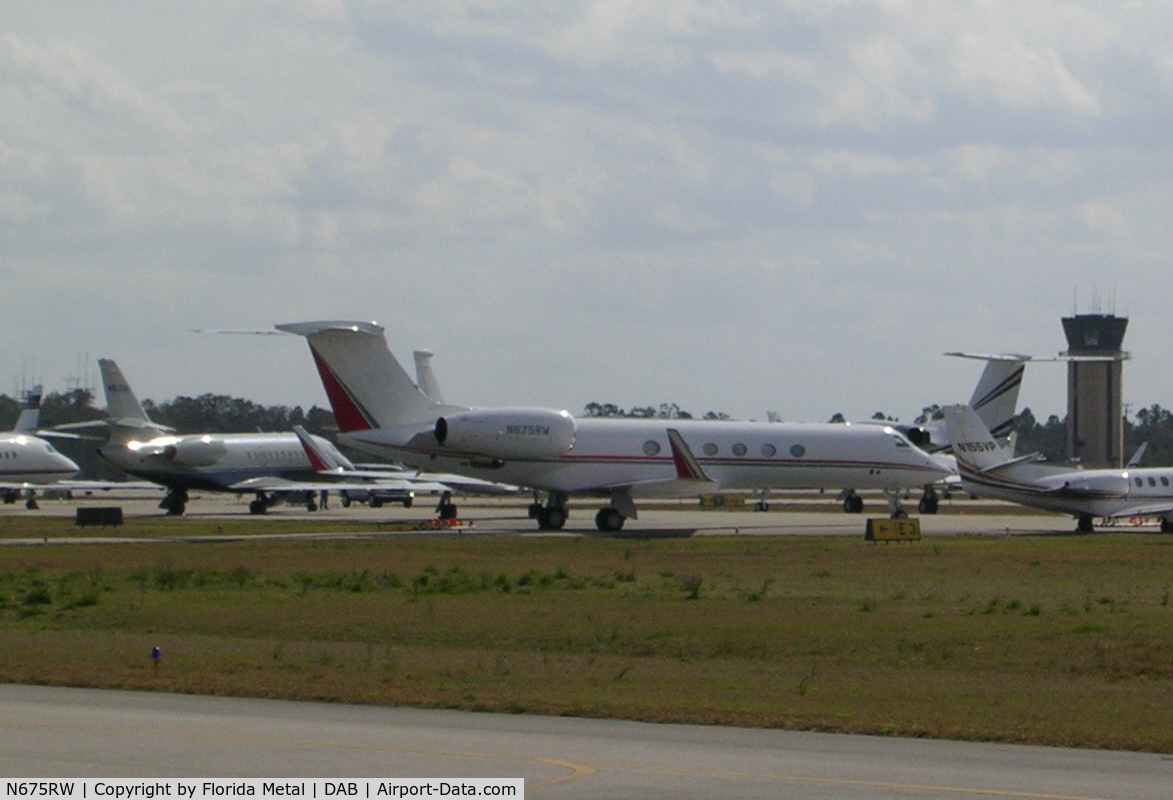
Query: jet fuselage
734,455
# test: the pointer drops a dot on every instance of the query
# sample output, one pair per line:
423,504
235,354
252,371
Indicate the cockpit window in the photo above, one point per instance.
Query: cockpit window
901,441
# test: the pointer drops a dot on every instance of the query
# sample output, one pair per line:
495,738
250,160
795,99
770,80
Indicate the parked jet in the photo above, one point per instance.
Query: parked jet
994,399
264,464
27,461
377,480
380,410
987,471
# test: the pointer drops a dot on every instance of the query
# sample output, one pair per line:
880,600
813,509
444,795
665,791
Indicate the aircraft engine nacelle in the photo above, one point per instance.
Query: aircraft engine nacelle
201,451
508,432
921,437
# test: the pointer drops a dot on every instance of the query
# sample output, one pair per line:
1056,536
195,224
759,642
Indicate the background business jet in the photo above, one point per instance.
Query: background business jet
27,461
988,471
268,465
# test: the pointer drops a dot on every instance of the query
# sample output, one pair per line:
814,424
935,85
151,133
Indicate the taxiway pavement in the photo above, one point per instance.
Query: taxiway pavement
84,733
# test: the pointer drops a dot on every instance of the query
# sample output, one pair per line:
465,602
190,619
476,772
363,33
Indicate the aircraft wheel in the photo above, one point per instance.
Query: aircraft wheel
534,510
853,504
552,518
1086,524
609,519
257,507
1166,526
761,505
345,499
900,513
375,502
448,511
407,503
928,505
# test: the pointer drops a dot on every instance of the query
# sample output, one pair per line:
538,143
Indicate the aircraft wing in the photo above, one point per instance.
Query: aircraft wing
101,486
461,483
1155,507
274,484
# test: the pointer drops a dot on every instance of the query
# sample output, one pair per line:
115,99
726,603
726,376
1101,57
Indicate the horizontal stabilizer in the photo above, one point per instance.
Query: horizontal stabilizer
1013,462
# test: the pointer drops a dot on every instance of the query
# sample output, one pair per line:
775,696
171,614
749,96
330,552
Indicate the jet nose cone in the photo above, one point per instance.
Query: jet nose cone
945,466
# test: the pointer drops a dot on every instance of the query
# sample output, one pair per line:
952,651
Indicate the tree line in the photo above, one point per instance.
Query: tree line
206,413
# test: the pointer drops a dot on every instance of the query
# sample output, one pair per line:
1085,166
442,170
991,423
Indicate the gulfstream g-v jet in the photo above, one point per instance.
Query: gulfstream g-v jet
380,410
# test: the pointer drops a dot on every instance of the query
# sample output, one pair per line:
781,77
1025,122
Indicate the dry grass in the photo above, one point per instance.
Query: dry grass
1058,640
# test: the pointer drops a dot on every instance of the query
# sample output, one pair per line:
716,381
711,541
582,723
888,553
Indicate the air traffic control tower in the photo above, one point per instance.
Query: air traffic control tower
1095,388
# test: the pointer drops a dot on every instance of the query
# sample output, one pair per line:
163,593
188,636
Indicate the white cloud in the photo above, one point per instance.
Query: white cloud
791,189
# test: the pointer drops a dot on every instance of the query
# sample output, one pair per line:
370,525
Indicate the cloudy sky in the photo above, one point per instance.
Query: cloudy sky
734,206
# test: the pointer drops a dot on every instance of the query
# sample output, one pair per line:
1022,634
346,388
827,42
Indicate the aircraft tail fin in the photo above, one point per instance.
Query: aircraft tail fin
30,411
124,413
973,443
995,398
367,387
1138,456
424,375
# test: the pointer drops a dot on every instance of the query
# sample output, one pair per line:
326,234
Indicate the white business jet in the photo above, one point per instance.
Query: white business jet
27,461
379,409
267,465
987,471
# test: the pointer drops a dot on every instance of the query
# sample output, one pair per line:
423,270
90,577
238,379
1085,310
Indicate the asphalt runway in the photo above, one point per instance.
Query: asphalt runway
84,733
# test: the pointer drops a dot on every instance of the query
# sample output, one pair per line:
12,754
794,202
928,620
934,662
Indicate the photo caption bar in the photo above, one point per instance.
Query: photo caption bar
214,789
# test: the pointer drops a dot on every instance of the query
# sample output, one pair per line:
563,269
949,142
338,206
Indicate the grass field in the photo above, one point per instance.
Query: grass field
1048,639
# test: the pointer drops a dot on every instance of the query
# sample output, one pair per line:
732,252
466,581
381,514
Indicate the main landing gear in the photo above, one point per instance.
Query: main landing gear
552,515
929,502
174,502
261,504
852,502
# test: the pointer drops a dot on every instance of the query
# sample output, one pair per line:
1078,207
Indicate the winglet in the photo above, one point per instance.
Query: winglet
319,459
687,466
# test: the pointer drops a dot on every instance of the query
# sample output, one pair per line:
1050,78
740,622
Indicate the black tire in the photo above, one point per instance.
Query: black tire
552,518
609,519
